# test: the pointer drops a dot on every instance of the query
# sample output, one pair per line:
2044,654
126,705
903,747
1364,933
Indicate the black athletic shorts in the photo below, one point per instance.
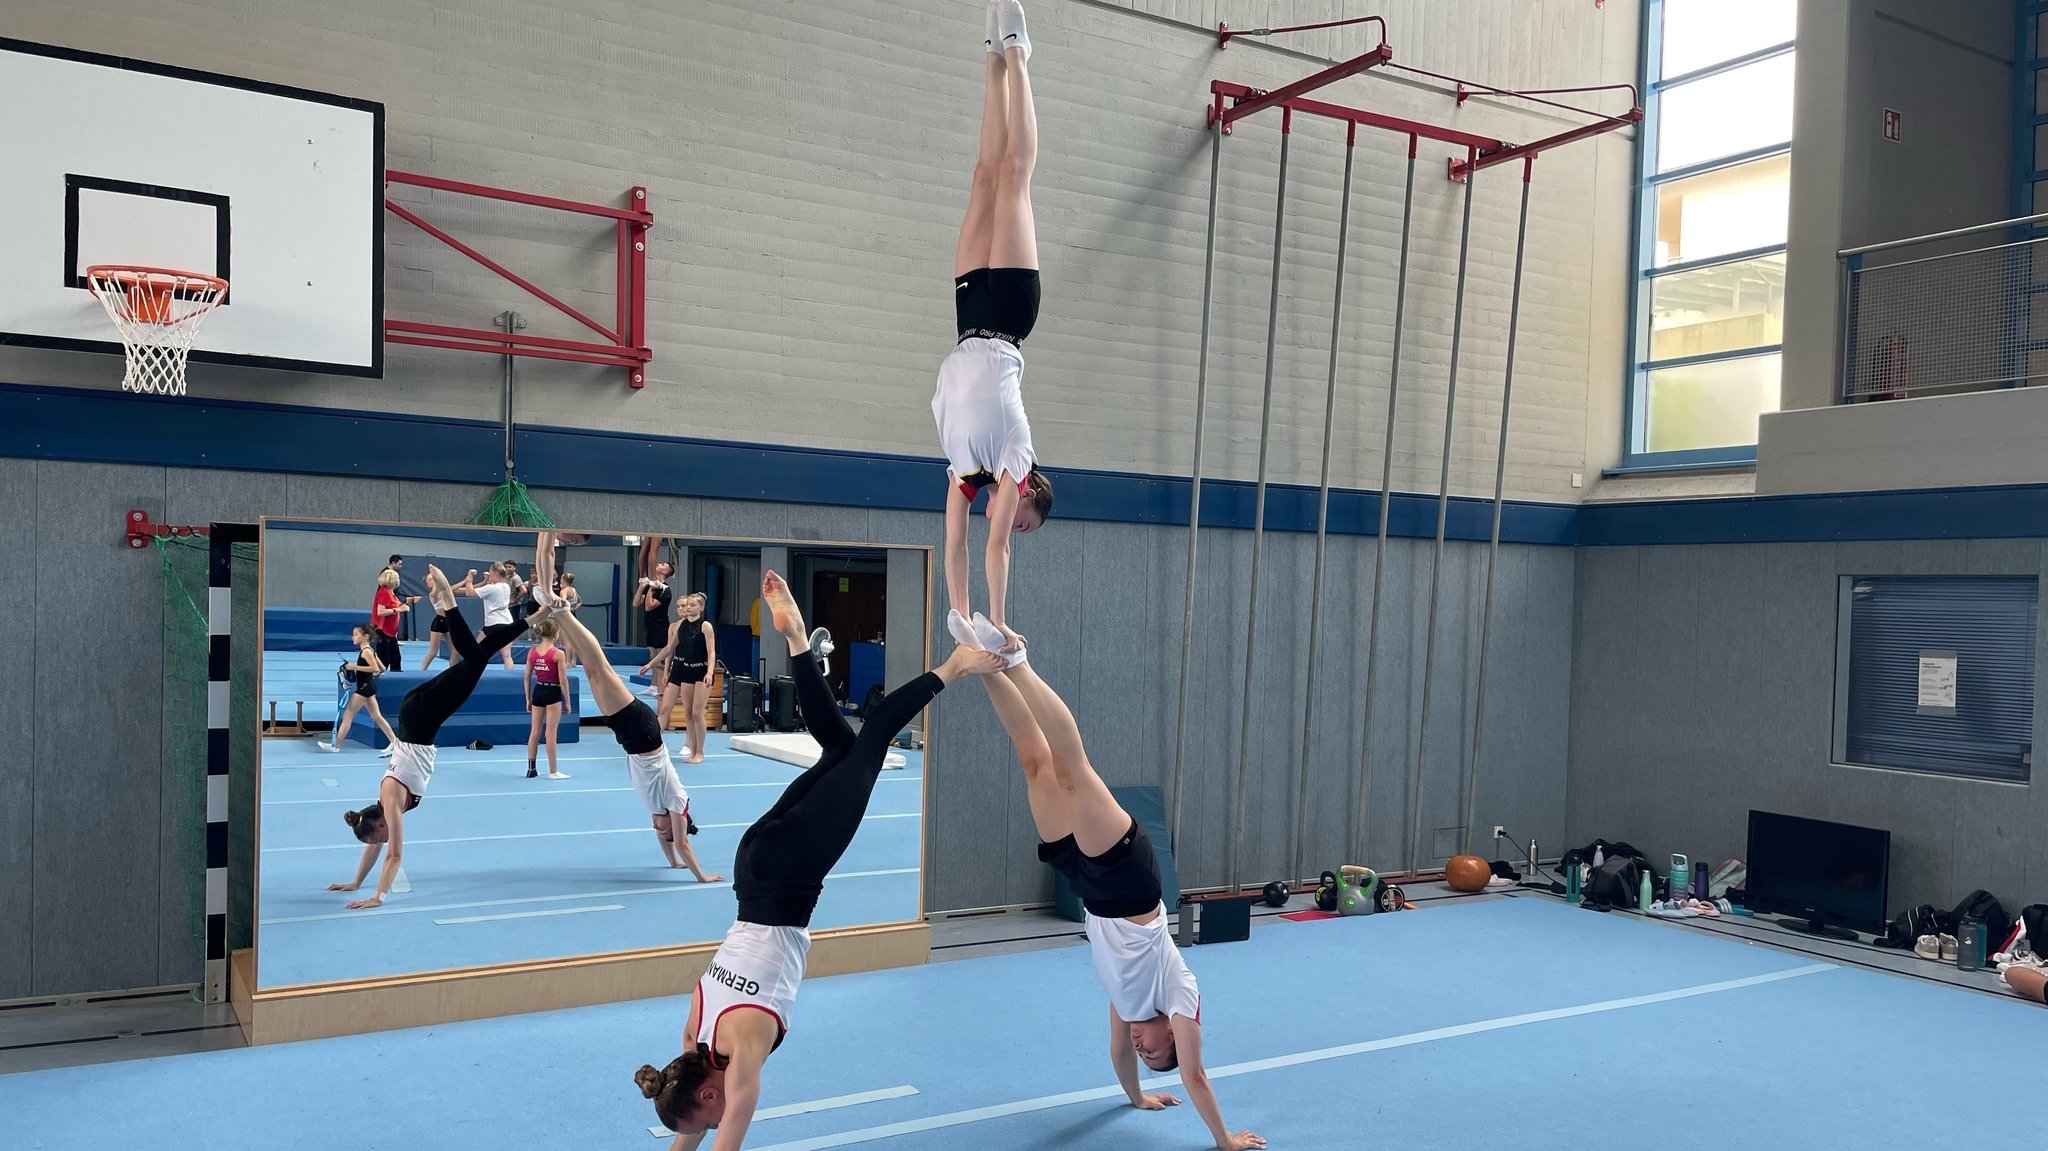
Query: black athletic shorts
366,686
680,672
545,694
1118,884
635,726
440,624
996,303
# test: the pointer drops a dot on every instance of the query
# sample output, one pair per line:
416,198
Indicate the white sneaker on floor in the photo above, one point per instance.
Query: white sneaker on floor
1928,947
323,745
558,775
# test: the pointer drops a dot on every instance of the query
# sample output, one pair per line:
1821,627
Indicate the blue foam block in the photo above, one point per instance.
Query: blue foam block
495,712
310,628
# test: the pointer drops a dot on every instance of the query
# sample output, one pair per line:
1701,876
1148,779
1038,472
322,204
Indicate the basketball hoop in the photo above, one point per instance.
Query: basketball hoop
158,312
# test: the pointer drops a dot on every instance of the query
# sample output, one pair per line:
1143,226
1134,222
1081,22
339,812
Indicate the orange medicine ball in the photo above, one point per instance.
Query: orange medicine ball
1467,873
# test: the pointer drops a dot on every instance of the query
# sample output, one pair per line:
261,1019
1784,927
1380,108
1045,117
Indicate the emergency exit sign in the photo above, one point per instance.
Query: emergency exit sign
1891,124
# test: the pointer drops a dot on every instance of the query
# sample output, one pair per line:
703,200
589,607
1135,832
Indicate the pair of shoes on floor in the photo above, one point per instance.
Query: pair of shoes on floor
1939,948
981,635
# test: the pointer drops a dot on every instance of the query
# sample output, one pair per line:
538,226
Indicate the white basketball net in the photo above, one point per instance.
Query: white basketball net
158,313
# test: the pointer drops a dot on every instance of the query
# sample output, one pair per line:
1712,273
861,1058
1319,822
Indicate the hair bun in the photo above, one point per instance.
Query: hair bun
352,818
650,1080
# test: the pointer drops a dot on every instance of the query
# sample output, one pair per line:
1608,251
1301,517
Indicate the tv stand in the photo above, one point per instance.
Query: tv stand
1818,927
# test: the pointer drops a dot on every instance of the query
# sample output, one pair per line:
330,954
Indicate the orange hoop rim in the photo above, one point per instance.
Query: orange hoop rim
131,276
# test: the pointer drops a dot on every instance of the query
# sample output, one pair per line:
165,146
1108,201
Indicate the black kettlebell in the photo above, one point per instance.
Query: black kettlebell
1276,894
1326,891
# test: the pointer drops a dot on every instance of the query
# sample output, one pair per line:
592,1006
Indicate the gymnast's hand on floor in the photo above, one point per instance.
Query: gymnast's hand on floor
374,901
344,886
1158,1102
1242,1141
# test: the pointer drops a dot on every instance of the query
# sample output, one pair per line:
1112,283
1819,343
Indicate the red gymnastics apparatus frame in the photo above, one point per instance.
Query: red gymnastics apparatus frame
1230,103
624,344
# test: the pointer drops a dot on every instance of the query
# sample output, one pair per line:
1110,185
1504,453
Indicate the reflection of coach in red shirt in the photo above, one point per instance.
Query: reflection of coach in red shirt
385,612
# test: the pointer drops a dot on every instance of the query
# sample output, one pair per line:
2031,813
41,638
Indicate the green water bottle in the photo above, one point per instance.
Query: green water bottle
1681,877
1644,895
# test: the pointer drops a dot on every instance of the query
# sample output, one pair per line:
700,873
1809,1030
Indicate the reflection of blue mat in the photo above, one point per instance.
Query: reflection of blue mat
310,628
291,678
495,712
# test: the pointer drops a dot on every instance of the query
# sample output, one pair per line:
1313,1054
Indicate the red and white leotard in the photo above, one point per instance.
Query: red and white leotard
757,968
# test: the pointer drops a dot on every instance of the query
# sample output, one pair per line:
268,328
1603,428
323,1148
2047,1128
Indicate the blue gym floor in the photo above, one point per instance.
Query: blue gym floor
1517,1022
293,677
501,868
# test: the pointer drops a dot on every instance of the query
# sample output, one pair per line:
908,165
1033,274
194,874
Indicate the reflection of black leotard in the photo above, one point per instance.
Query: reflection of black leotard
784,857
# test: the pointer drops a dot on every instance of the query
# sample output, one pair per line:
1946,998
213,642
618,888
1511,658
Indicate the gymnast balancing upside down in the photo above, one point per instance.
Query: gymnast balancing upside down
741,1010
420,716
632,722
1155,1009
979,404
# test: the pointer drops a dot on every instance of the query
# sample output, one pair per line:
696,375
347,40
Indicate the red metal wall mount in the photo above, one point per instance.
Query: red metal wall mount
623,345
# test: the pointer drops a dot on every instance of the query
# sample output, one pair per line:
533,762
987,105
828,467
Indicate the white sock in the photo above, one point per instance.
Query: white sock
993,639
962,631
1010,24
989,34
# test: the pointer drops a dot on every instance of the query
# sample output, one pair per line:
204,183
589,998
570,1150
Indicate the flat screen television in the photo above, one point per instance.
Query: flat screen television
1831,875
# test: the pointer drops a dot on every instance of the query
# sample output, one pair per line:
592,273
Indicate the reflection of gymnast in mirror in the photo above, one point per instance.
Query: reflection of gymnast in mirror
742,1006
979,404
633,723
499,591
420,716
367,667
545,667
688,654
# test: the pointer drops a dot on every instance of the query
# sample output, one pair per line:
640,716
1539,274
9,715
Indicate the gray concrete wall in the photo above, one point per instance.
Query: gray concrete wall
83,832
808,168
1703,685
1947,69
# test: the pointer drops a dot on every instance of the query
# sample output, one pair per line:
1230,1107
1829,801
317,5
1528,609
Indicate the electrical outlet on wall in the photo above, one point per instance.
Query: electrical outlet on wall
1499,832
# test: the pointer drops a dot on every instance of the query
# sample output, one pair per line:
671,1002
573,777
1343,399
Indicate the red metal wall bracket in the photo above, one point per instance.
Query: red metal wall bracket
141,531
623,345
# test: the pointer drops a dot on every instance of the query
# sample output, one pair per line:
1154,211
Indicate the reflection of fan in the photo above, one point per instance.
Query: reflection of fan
822,646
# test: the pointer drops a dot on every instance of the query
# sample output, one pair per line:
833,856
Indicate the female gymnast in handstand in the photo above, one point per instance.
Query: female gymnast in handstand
420,716
741,1010
1155,1009
633,723
979,404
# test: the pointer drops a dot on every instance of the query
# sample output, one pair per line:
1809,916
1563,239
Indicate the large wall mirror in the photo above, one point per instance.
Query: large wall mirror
506,863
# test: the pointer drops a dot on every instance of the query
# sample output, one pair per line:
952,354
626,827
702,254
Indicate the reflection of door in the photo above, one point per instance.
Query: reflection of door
854,605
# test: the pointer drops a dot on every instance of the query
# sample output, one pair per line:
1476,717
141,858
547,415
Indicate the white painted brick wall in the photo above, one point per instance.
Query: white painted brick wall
807,165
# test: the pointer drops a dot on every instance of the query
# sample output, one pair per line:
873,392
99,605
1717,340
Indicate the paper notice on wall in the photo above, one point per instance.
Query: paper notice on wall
1937,683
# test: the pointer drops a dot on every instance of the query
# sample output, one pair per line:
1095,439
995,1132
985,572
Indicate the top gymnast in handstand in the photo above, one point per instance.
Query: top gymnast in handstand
741,1010
979,404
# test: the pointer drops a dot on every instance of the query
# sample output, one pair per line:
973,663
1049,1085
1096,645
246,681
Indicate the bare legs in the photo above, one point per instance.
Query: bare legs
2028,982
999,230
545,721
1066,796
695,695
357,703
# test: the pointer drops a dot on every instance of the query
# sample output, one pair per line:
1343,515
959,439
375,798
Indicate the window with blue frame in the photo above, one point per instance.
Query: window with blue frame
1713,195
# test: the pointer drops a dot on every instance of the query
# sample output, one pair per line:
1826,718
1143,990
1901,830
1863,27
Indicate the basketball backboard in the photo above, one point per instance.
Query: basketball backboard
277,190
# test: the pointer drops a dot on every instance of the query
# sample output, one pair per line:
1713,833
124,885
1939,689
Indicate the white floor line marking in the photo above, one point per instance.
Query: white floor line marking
663,889
693,787
644,829
531,914
815,1105
331,782
1047,1102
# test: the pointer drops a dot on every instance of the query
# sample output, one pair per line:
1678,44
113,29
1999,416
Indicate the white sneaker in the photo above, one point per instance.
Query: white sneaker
323,745
558,775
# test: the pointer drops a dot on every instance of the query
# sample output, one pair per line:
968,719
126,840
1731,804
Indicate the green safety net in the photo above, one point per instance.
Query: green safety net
511,507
